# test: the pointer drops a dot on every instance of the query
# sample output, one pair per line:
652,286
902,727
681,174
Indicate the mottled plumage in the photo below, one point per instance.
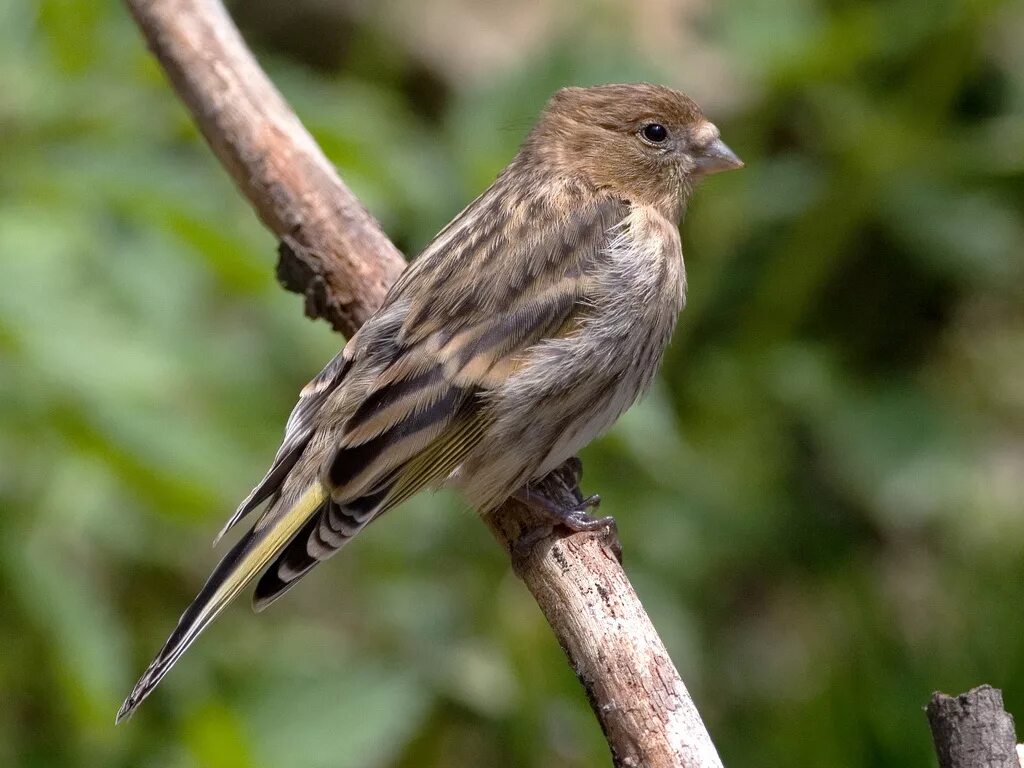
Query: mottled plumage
524,330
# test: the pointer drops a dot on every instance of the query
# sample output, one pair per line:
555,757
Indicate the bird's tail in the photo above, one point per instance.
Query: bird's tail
245,560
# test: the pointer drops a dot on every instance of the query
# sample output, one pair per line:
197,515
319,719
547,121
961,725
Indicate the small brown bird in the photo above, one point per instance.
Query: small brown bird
523,331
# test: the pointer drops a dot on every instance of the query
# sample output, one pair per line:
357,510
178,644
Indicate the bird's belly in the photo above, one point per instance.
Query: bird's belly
591,423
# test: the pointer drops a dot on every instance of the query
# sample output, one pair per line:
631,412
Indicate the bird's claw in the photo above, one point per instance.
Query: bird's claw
575,518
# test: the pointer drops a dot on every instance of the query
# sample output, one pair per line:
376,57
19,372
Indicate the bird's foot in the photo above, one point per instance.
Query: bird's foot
572,516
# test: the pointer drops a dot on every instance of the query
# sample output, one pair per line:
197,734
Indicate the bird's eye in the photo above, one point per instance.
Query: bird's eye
654,133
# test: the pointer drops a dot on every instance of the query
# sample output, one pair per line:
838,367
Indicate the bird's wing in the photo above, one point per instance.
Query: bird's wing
461,335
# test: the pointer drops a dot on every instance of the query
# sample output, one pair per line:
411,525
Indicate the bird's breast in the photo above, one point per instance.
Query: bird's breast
639,291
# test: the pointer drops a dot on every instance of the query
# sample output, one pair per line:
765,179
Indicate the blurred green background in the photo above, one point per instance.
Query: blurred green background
821,503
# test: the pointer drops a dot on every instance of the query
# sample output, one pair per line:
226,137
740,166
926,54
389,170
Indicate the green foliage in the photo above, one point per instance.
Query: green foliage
821,502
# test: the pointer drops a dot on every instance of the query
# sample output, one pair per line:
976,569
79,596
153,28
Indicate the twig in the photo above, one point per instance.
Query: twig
334,253
973,730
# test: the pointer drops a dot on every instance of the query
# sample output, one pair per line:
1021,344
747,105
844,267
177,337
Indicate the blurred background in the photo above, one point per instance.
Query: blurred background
821,502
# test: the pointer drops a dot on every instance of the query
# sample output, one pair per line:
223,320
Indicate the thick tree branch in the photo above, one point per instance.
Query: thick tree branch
334,252
973,730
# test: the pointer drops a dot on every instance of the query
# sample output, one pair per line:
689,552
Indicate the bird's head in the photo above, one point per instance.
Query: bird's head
645,143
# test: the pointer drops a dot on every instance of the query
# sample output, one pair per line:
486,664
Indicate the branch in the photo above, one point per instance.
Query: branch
973,730
332,249
334,253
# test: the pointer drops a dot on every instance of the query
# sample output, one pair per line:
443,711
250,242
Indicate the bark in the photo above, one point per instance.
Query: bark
973,730
334,253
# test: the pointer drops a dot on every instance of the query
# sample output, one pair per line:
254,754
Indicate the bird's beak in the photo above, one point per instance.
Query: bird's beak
717,157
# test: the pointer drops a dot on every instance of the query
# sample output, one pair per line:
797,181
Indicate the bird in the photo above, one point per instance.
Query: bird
523,330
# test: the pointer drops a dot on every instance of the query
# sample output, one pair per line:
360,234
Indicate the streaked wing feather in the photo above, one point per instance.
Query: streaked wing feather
297,433
337,524
438,462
